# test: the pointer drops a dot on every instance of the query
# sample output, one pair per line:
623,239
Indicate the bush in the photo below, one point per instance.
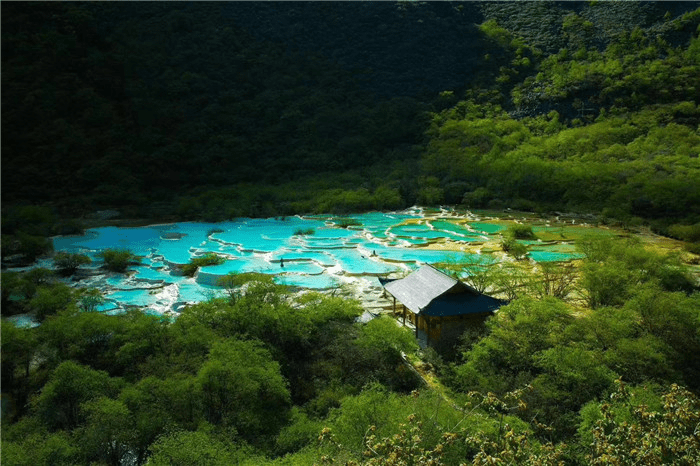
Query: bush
68,263
195,263
515,249
690,233
300,432
520,232
49,300
30,247
347,222
198,447
117,260
693,247
304,232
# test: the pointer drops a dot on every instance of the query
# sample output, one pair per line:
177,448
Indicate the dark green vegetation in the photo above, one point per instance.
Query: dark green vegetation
304,232
256,374
198,111
39,292
68,263
514,233
259,376
118,260
194,264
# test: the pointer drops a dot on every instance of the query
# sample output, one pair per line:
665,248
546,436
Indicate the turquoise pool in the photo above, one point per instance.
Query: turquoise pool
325,256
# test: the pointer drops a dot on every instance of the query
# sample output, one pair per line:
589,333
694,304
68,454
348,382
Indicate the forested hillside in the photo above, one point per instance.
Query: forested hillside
219,110
606,129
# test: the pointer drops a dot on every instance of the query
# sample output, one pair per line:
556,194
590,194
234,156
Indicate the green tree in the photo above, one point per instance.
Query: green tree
381,344
383,336
107,434
666,436
510,280
158,404
518,332
195,263
32,279
606,284
117,260
514,248
570,375
234,283
624,346
89,299
199,448
39,276
24,444
556,280
478,273
49,300
34,219
69,386
520,231
484,430
299,433
613,269
672,318
19,347
10,283
374,406
242,387
178,347
31,247
68,263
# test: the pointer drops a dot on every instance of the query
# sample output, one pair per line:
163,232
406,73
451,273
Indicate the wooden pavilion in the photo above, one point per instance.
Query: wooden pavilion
439,306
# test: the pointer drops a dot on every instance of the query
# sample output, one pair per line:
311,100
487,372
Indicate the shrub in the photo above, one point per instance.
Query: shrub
30,247
347,222
520,232
49,300
304,232
690,233
515,249
117,260
195,263
67,263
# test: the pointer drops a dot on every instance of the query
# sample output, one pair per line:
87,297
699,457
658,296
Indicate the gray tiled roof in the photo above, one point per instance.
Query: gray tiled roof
417,290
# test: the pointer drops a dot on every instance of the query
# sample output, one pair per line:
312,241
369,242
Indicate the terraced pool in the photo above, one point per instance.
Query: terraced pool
316,252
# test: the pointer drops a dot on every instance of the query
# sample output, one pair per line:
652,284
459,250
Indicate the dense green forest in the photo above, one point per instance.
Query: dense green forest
264,376
211,111
218,110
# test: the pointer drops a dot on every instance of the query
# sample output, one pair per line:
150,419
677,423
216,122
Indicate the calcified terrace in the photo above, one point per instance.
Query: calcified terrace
313,252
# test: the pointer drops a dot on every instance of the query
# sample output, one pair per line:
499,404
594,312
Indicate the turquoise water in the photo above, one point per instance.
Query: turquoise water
375,244
458,232
488,228
552,256
421,232
318,282
554,253
322,258
22,321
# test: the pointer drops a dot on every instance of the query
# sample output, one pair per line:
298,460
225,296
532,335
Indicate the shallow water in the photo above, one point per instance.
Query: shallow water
325,256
